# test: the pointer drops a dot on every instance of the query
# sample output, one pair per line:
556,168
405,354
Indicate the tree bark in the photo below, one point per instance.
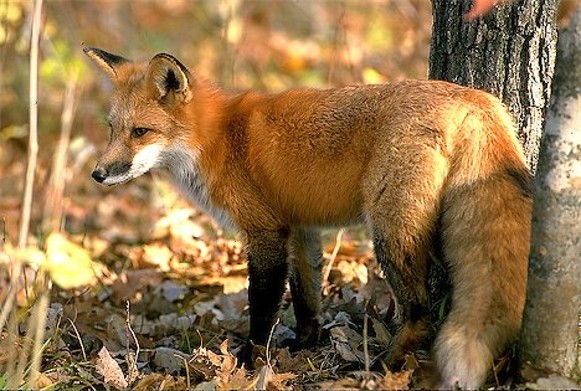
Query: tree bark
510,52
551,335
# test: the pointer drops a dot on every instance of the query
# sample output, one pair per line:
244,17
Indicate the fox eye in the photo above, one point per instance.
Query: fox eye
139,132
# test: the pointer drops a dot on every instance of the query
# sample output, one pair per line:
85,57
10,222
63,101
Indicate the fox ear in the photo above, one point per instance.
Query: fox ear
168,78
107,62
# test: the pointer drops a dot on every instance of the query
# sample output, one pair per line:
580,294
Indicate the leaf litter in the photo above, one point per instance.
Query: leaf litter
167,308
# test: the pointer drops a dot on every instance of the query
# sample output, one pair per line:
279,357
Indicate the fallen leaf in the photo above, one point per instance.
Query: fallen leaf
157,255
382,334
396,381
171,360
347,342
278,381
229,361
206,363
68,264
297,362
110,370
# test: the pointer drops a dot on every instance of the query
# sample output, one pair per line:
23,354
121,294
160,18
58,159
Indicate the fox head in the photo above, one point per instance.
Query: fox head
148,114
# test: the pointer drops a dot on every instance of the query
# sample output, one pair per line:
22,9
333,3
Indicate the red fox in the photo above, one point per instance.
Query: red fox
414,160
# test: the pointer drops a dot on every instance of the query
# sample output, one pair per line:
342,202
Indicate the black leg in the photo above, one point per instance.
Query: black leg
408,282
267,270
305,282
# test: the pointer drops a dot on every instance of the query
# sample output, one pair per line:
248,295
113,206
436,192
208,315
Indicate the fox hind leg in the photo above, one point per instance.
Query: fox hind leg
407,279
402,205
305,283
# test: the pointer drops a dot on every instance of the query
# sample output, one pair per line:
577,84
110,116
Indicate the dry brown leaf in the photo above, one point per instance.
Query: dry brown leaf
110,370
263,376
157,255
230,377
347,342
149,382
42,381
266,379
206,363
353,271
382,334
238,380
396,381
279,381
297,362
229,361
133,281
158,381
345,384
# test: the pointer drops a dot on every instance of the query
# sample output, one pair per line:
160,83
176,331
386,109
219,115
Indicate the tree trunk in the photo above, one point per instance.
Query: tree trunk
551,335
510,52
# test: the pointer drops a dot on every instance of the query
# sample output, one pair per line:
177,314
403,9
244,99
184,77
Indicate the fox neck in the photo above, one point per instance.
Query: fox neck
184,168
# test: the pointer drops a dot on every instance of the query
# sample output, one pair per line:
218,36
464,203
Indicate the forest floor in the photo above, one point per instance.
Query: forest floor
148,293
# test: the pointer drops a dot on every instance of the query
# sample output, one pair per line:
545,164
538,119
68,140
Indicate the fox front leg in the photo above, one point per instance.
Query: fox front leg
267,272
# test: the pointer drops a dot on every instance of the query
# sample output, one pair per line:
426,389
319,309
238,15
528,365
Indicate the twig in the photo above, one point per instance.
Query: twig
33,126
78,338
38,324
187,367
365,347
495,375
7,306
329,267
30,346
54,206
132,371
270,339
228,55
339,28
3,242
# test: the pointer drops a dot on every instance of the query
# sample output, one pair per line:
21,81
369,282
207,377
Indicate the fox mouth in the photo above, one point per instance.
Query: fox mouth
117,179
118,173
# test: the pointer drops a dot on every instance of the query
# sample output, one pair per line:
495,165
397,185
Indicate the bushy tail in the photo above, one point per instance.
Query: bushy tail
485,231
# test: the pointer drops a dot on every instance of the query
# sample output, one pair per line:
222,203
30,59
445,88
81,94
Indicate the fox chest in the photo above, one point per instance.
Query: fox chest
192,185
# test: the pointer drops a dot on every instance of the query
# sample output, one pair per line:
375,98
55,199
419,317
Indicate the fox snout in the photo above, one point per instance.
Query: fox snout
117,169
109,174
99,174
121,171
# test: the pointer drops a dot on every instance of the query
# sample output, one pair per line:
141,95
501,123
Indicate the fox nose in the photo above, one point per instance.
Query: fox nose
99,174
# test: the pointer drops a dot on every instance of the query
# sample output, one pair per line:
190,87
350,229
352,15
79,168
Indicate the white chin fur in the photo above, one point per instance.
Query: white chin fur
117,179
143,161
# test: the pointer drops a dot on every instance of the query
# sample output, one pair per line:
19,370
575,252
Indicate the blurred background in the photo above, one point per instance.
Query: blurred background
239,44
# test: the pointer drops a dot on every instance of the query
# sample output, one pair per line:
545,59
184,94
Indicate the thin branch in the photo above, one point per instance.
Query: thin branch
38,324
329,267
78,338
54,206
132,370
33,126
7,306
365,346
3,242
339,32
